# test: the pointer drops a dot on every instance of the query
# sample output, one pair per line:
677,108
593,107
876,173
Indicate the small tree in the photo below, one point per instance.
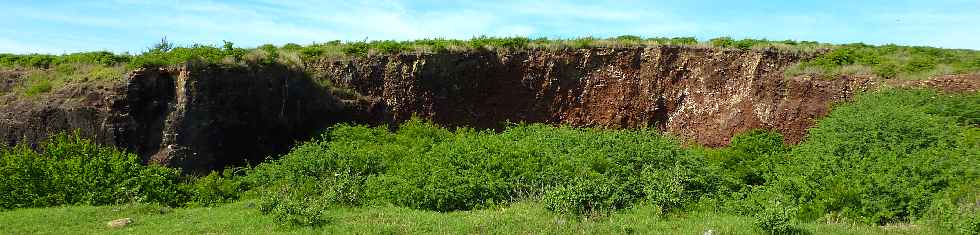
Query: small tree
162,46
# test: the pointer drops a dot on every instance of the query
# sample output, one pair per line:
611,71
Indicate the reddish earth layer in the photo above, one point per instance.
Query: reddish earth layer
705,95
202,117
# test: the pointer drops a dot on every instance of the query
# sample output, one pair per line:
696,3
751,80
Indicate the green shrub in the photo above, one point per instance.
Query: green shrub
684,40
297,203
311,52
629,38
40,61
581,43
177,55
423,166
746,44
292,47
71,170
389,46
99,57
920,63
268,48
216,187
886,70
357,48
438,44
775,219
589,196
484,42
892,61
229,49
722,42
515,42
879,170
957,212
750,158
271,54
35,87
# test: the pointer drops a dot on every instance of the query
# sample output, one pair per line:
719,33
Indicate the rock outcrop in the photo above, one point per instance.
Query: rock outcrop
202,117
196,117
700,94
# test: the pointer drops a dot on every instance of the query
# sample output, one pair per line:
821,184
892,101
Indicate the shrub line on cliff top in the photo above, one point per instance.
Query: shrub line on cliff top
48,72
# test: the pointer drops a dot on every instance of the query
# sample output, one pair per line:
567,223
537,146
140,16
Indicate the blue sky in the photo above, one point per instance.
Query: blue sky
131,25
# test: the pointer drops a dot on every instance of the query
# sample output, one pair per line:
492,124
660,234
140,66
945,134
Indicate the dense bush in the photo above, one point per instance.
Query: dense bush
423,166
775,219
71,170
484,42
957,210
676,40
743,44
357,48
854,165
629,38
862,165
40,61
179,55
751,157
584,42
216,187
891,61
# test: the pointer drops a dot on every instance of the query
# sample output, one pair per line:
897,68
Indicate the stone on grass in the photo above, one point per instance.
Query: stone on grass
119,223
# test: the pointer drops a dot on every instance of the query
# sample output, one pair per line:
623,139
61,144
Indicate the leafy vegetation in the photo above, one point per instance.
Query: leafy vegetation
427,167
857,167
890,61
71,170
861,166
41,61
775,219
918,165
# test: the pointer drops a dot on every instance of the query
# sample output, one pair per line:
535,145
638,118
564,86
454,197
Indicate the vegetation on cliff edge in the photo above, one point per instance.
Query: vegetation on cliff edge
49,72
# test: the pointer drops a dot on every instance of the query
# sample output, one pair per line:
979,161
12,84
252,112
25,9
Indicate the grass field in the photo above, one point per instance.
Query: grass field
519,218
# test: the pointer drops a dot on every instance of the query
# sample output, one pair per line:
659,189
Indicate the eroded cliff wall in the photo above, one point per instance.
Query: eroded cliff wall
196,117
203,117
700,94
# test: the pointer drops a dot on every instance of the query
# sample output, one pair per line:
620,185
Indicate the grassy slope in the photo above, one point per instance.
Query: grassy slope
521,218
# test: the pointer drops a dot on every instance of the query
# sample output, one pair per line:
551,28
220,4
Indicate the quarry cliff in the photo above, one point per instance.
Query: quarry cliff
201,116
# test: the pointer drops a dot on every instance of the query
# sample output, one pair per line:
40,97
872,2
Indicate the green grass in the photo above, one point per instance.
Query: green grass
889,62
41,81
520,218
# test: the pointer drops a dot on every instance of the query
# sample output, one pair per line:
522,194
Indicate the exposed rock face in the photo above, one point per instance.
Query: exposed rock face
203,117
194,117
705,95
86,109
227,115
